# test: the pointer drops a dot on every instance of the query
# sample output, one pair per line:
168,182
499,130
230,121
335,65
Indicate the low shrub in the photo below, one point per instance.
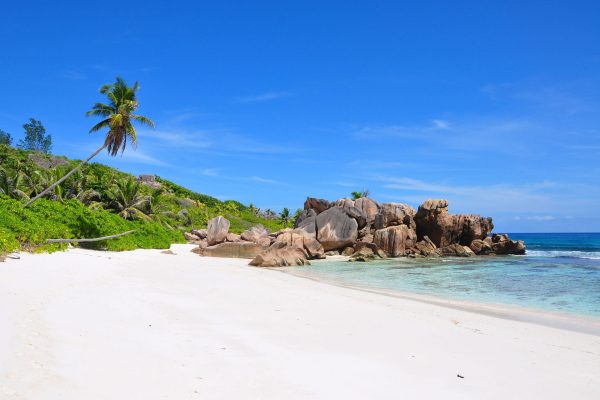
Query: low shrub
71,219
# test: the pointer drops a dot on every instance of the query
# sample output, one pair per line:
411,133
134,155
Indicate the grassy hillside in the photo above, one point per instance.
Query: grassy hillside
100,200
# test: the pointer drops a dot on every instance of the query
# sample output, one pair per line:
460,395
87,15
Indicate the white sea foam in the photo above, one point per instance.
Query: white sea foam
591,255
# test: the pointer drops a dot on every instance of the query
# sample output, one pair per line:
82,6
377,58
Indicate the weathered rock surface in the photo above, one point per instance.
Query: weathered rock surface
364,252
305,214
201,233
218,228
319,205
395,241
335,229
432,219
233,249
255,234
300,239
357,214
455,250
190,237
344,203
426,248
392,214
232,237
369,207
481,247
309,226
501,244
280,254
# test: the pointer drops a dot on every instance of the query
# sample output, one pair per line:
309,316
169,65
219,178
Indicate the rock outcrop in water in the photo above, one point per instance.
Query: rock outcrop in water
362,229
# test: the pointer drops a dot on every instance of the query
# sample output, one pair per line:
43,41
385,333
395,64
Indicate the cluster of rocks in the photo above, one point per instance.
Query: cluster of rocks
362,229
149,180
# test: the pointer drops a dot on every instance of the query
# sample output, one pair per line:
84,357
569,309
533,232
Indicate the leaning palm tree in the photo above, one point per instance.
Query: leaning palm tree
118,117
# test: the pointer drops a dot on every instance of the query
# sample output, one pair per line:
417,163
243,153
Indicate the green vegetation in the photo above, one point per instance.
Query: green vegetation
36,138
357,195
99,200
5,137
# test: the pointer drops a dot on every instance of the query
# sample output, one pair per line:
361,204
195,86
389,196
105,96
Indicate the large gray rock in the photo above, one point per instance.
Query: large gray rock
335,229
481,247
392,214
426,248
369,207
345,202
443,229
302,240
357,214
218,228
395,241
319,205
280,254
233,250
201,233
255,234
455,250
502,245
305,214
309,226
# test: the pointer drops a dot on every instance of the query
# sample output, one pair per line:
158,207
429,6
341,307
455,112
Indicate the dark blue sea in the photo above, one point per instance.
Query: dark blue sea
559,273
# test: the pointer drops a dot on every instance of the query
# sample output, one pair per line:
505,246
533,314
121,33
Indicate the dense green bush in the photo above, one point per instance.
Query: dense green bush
8,242
47,219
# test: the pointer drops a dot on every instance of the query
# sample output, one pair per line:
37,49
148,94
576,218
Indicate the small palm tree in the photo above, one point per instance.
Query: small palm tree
358,195
285,216
118,118
10,184
127,198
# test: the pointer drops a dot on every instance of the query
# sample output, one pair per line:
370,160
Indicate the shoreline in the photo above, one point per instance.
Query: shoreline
552,319
153,324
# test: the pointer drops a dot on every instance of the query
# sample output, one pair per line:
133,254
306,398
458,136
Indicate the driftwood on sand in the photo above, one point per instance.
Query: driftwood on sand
88,240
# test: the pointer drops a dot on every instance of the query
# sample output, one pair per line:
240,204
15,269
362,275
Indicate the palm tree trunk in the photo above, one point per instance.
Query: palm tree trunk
58,182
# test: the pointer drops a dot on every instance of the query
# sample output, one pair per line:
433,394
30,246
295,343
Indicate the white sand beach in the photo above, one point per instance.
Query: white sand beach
149,325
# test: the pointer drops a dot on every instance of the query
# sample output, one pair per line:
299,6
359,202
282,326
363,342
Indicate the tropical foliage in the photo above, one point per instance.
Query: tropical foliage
98,200
5,137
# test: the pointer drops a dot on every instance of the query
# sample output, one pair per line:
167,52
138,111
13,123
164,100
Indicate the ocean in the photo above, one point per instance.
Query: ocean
560,273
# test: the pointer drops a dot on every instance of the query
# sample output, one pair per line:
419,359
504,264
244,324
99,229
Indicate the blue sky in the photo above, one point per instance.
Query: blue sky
492,105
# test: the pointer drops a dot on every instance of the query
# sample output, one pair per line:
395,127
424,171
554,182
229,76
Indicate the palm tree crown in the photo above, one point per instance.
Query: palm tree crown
118,115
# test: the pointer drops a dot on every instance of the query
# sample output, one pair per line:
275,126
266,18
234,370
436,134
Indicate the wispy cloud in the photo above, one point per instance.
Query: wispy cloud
541,218
210,172
215,141
441,124
74,75
271,95
177,138
136,157
263,180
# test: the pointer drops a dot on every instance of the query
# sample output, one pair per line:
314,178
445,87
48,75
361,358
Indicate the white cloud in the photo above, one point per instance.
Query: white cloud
136,157
271,95
263,180
541,218
441,124
210,172
215,141
193,140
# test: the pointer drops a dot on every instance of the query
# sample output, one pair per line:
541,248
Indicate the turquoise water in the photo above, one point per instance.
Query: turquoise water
559,273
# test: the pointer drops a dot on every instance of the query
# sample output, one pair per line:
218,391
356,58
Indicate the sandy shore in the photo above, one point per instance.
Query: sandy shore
148,325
